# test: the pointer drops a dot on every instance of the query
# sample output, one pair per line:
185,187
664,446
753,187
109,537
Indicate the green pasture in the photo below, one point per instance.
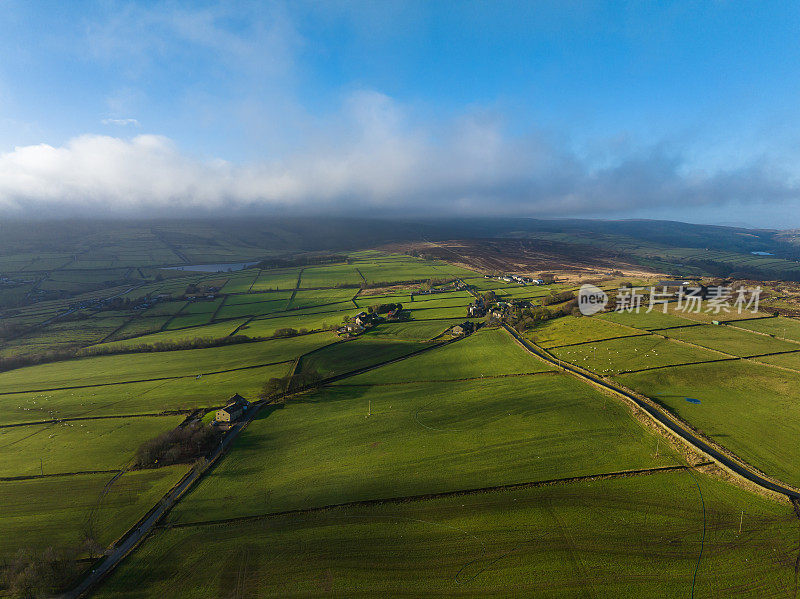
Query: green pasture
274,279
490,352
251,309
750,408
76,446
346,356
733,341
632,353
419,438
129,367
631,537
643,319
62,511
576,329
329,276
787,328
266,327
209,331
415,330
431,313
305,298
151,397
253,298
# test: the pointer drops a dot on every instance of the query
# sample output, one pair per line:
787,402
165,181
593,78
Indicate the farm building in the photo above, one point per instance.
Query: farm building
237,406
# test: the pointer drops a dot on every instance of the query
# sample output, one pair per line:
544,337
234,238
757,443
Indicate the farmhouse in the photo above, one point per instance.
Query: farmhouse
237,406
465,328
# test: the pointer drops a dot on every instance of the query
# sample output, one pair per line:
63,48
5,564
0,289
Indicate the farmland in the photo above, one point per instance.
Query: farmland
447,464
638,537
420,438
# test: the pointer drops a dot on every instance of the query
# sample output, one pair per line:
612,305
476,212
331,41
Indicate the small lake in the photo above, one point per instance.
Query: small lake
212,267
762,253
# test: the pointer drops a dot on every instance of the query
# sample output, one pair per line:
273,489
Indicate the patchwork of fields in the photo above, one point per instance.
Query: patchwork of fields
417,463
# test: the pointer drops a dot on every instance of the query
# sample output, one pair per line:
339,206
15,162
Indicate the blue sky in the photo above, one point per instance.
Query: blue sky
684,110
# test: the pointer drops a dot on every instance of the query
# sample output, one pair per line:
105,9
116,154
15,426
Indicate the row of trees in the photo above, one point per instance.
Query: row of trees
182,444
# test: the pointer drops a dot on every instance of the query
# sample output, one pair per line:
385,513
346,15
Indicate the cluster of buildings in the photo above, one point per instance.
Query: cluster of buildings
517,279
364,320
477,309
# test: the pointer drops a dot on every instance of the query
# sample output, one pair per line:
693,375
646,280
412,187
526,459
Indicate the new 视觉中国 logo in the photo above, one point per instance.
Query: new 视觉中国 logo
591,299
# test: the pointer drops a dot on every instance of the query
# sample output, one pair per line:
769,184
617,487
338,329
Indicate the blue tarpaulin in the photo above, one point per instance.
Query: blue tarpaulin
692,400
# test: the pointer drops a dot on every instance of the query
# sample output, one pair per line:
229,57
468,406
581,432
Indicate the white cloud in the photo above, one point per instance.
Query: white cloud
371,156
121,122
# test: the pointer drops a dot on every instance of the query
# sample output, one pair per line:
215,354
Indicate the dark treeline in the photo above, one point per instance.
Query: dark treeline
40,573
159,346
182,444
302,260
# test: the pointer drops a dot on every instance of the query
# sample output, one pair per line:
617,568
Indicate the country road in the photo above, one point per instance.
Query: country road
662,417
135,536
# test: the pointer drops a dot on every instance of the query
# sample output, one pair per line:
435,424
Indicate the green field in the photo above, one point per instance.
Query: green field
740,400
731,341
330,276
420,438
633,537
76,446
464,417
150,365
347,356
210,331
633,353
415,330
274,279
655,319
153,397
61,511
486,353
571,329
787,328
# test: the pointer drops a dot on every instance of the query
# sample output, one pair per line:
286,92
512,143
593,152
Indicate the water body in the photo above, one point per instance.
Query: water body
762,253
212,267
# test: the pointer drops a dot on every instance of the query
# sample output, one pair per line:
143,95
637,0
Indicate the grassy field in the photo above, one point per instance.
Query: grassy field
633,537
130,367
266,327
633,353
729,340
76,446
252,309
420,438
61,511
275,279
576,329
739,401
151,397
329,276
489,352
787,328
347,356
211,331
306,298
435,313
415,330
644,320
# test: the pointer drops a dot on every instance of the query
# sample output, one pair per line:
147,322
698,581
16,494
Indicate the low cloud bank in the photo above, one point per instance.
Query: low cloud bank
370,159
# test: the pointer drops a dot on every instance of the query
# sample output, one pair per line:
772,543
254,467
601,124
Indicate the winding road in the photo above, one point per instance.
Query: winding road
677,427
